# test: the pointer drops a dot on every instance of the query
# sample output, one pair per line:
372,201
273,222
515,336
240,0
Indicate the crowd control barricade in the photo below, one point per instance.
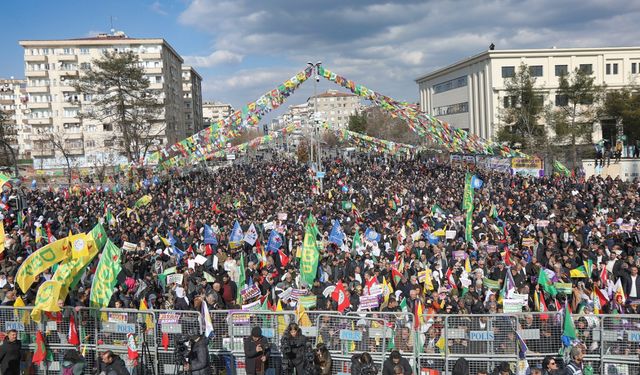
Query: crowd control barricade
346,335
400,331
273,326
174,328
114,328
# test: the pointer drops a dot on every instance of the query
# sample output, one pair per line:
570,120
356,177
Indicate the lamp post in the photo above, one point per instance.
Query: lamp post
316,124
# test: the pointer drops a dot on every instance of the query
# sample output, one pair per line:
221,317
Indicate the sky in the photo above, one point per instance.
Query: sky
244,48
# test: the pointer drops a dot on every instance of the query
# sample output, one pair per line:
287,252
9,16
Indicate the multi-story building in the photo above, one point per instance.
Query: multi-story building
334,107
13,102
192,92
51,66
214,111
470,93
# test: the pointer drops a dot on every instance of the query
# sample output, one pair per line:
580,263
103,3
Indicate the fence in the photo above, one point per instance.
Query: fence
430,342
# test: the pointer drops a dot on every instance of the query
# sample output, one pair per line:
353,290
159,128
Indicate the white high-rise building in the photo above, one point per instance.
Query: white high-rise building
335,107
51,66
469,93
13,102
215,111
192,91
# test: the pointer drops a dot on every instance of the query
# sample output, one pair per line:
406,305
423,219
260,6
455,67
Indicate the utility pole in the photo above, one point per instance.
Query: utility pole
316,124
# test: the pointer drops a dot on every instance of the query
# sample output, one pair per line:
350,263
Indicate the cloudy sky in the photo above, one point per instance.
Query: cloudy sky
244,48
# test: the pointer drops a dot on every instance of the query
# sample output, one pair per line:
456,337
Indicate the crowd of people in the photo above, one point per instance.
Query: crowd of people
520,226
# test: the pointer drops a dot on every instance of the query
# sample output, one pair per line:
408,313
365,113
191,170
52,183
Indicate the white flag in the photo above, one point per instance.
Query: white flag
207,323
251,236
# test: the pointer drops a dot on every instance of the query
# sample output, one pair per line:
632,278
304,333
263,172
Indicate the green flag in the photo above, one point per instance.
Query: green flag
357,241
346,205
242,280
435,209
106,275
543,280
494,212
403,305
309,258
467,206
3,179
99,235
560,168
568,328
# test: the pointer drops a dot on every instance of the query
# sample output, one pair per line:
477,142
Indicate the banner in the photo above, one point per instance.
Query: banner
368,302
307,301
467,206
309,258
106,275
564,288
250,292
491,284
40,261
46,299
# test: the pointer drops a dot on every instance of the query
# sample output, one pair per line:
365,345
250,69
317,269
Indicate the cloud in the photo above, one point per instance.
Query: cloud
215,58
156,7
386,44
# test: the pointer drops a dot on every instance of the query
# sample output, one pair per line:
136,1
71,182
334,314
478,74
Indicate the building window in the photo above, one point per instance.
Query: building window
84,51
634,68
508,71
107,128
586,68
448,85
451,109
562,100
535,70
561,70
509,101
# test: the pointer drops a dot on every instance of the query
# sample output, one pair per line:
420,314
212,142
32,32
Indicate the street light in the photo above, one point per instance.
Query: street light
316,121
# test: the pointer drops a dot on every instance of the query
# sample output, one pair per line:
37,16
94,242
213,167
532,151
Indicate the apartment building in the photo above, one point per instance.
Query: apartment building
214,111
192,93
470,93
334,107
51,67
13,102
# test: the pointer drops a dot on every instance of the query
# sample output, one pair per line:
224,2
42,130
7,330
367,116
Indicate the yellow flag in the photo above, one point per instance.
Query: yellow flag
129,211
467,265
303,317
440,233
79,248
441,343
2,237
40,261
282,324
46,299
23,316
165,241
147,317
143,201
428,284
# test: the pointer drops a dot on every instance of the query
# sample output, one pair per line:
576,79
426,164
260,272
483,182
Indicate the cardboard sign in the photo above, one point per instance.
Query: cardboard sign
511,305
492,248
450,234
117,317
282,216
460,254
542,223
128,246
369,302
168,318
175,278
200,259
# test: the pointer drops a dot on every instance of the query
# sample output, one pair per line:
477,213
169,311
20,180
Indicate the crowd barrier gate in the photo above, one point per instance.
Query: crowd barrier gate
432,344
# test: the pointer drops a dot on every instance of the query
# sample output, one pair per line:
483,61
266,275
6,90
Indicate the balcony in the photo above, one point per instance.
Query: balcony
155,86
35,58
157,70
150,56
69,73
67,57
40,137
37,73
37,89
41,105
70,120
40,121
75,150
73,136
42,152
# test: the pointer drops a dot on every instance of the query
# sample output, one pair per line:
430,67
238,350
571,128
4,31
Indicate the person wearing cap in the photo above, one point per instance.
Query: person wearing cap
256,352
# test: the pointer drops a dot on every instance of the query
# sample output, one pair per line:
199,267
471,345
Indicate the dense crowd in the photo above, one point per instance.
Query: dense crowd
520,225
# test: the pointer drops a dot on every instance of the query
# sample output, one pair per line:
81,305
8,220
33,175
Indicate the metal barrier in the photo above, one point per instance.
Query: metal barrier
612,341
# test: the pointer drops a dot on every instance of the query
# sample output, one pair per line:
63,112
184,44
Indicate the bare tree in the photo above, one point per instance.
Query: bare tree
102,165
8,134
56,141
122,99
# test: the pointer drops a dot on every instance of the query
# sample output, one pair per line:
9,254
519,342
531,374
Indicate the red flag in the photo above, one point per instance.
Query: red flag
397,276
604,277
165,340
132,350
72,337
449,277
41,350
284,259
208,251
603,299
369,284
340,295
543,307
214,208
190,250
417,315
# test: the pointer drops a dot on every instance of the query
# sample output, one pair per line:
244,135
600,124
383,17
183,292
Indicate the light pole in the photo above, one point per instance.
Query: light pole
315,123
